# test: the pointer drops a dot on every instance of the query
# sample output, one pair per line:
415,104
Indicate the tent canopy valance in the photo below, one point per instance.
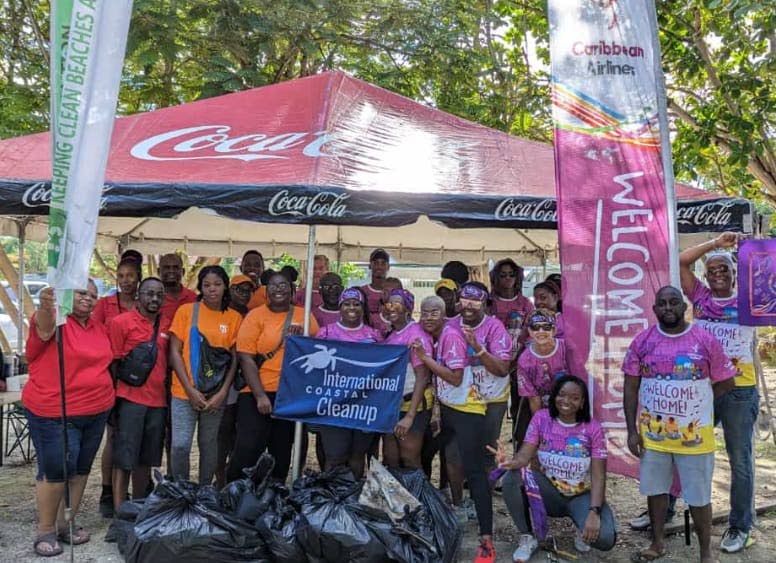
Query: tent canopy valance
370,167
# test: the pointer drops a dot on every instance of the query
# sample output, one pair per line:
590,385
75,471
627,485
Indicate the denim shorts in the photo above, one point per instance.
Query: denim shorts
84,436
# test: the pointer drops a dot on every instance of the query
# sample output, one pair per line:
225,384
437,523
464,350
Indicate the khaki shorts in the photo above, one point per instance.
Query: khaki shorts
695,474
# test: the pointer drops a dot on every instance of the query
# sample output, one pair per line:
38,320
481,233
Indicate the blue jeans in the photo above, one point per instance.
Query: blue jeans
737,411
84,435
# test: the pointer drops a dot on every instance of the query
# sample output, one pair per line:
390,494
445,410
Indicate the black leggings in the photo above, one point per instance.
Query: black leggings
470,434
256,433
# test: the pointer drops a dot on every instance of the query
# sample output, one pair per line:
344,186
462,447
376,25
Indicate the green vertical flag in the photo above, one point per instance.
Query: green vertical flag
88,40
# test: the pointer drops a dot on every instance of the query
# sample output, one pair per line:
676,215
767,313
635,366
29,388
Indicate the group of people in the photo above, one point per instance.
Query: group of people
157,363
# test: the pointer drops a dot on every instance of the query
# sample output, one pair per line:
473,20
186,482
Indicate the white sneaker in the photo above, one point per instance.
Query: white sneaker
734,540
580,545
641,522
526,547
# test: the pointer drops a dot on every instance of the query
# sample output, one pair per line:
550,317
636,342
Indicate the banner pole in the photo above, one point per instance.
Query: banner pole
65,445
665,155
296,469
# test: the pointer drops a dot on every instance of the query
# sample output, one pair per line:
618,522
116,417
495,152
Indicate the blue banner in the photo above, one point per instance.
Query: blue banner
344,384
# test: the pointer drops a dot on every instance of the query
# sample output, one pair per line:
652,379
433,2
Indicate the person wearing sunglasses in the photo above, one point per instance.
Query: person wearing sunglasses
545,359
509,305
464,430
715,308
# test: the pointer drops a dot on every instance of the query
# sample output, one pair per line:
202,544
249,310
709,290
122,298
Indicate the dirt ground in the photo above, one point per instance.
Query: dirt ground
17,515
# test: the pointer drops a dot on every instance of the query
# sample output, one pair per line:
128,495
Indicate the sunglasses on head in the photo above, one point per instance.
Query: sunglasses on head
547,327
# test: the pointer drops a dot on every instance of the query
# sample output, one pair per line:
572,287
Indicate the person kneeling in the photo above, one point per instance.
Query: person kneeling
571,451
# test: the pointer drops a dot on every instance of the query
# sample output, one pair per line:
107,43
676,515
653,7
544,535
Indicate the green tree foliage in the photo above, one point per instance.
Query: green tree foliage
484,60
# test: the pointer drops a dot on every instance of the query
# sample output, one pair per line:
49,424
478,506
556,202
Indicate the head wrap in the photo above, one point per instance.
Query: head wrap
406,297
351,293
725,257
447,283
474,292
240,278
541,316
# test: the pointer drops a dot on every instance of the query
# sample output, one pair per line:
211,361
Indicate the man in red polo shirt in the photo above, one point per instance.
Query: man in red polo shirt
171,272
140,411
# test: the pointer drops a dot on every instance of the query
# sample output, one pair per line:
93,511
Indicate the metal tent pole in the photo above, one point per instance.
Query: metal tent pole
296,469
22,235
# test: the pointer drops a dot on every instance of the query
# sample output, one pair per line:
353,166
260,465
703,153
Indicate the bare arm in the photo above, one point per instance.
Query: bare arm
175,358
691,255
722,387
45,318
452,376
494,365
631,405
592,527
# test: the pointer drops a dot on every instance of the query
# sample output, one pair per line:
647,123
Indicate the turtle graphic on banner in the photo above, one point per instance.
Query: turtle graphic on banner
345,384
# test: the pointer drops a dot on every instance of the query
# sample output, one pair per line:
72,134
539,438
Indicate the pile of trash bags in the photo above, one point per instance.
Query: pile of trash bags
322,518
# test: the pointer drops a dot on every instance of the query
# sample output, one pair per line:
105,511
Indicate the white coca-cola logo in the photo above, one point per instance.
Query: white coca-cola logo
714,213
322,204
214,142
514,208
39,195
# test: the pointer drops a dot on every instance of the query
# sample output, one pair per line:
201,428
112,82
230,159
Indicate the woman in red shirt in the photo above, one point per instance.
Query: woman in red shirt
89,398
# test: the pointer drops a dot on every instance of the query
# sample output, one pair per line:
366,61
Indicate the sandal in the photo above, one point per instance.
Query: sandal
80,536
646,555
48,539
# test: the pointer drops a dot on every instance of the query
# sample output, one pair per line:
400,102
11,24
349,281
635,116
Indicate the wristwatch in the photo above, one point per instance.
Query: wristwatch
596,509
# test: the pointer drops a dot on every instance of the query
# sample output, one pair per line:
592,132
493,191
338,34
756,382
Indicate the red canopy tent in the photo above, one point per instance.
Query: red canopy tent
328,150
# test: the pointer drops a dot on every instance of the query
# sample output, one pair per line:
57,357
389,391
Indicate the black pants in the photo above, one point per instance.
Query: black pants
470,434
257,433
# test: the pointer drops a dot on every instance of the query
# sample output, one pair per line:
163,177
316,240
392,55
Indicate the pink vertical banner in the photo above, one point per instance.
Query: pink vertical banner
612,200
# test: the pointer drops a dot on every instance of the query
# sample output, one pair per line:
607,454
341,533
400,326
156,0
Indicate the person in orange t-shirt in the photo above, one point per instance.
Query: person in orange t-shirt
140,413
262,333
190,408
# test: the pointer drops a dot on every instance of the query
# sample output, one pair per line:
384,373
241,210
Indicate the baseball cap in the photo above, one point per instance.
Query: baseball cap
446,283
240,278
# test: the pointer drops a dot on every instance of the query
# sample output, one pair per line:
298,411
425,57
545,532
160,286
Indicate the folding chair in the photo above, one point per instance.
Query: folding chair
17,434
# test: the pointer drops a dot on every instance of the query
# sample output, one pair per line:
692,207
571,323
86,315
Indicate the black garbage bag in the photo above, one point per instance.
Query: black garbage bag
406,541
252,485
332,529
181,521
439,516
124,520
278,526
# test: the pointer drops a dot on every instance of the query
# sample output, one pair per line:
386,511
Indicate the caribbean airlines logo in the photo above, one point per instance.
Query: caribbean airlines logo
215,142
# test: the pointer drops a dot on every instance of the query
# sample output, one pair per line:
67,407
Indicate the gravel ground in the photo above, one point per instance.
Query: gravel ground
17,517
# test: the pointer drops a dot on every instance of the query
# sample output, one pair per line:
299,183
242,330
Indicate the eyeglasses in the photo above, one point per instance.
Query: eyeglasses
507,274
435,314
242,290
152,294
546,327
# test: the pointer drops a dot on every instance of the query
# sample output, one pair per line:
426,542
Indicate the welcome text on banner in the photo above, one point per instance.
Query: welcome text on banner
612,198
345,384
